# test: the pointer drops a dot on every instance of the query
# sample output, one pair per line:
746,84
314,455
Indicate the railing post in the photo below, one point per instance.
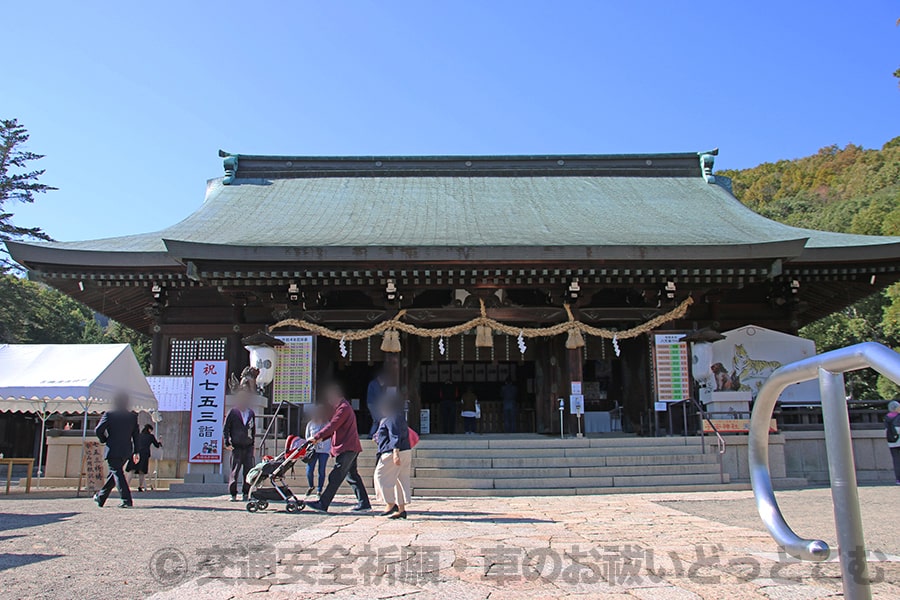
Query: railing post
844,492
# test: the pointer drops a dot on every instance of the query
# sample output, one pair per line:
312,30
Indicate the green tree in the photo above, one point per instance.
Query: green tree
17,184
861,322
31,313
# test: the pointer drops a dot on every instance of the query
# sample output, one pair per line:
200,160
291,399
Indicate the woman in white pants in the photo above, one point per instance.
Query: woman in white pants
393,468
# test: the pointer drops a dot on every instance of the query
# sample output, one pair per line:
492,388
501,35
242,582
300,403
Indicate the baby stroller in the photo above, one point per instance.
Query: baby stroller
266,479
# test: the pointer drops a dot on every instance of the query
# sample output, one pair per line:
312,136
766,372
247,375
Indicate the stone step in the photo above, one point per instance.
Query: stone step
662,459
627,457
447,483
549,462
778,484
543,452
644,470
500,473
654,480
718,487
546,442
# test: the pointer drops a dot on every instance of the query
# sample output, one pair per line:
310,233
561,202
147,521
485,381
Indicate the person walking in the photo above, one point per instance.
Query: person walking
239,434
345,448
118,430
470,411
509,396
393,466
318,420
892,430
146,441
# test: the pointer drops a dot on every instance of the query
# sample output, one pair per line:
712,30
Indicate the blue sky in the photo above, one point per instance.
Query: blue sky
130,101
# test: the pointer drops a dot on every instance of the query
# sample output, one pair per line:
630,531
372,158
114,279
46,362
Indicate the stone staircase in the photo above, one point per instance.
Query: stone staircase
505,465
536,465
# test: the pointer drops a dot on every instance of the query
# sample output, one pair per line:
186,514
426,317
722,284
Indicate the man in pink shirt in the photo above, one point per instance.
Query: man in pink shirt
345,448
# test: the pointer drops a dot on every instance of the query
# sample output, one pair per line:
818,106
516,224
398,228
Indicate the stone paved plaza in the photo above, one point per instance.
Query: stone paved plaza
650,546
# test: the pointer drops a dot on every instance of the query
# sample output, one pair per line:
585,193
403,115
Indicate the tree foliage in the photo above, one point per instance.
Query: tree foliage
31,313
18,183
821,184
850,190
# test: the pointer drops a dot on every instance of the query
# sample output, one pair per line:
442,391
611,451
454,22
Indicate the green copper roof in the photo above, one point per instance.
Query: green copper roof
596,204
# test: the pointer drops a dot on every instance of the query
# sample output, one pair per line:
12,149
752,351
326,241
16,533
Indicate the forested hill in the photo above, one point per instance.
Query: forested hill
848,189
852,190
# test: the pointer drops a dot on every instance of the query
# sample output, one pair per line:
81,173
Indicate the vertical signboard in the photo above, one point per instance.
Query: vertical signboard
296,365
207,411
94,467
671,361
576,404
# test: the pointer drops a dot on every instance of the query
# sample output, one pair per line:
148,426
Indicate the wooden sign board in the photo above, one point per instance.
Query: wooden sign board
671,367
172,393
93,467
295,376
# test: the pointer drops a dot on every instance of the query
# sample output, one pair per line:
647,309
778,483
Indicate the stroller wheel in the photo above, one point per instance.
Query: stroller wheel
252,507
292,507
263,504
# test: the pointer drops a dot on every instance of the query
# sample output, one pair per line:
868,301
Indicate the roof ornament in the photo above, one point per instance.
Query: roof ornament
230,163
707,160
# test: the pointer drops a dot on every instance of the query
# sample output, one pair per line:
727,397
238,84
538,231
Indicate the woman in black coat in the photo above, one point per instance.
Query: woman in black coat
145,442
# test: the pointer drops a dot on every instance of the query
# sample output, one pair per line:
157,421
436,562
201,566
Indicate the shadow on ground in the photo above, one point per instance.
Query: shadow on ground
11,561
473,517
12,521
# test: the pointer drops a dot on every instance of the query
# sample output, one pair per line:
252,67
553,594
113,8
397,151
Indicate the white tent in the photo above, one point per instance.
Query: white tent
55,378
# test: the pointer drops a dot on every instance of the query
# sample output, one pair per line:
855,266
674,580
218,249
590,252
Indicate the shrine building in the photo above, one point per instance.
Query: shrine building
346,243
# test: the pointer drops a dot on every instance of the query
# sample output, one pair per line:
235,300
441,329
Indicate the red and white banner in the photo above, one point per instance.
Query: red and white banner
208,388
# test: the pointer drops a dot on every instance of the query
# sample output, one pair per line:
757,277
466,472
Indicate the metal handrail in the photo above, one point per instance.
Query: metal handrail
274,416
720,441
829,369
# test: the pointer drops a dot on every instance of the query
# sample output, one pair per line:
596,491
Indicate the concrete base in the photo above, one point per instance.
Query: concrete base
205,478
200,489
806,457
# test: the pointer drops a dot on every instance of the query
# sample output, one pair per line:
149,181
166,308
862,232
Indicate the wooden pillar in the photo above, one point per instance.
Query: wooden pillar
636,383
157,351
326,351
392,369
575,360
557,378
238,357
410,359
544,414
158,343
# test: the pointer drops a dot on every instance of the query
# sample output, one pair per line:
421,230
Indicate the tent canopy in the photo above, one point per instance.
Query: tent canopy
70,378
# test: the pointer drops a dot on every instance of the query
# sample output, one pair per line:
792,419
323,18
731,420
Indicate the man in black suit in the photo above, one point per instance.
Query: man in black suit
239,433
118,429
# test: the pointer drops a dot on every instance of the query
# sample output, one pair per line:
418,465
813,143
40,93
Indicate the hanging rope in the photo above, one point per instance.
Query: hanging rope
574,328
